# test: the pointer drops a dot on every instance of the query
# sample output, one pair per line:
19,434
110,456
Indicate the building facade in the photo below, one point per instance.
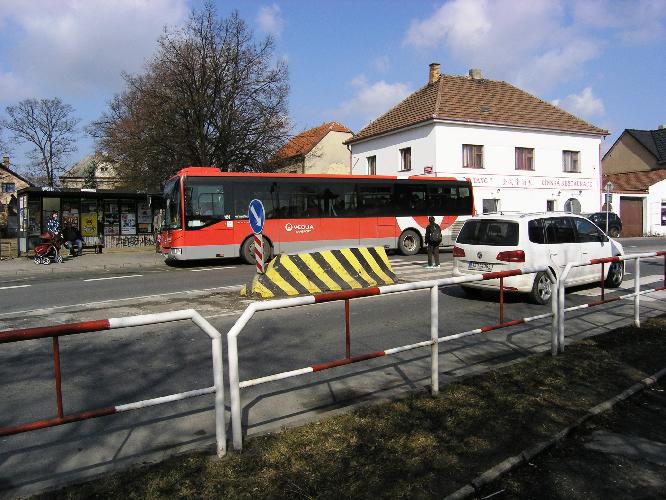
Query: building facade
521,153
320,150
93,171
635,166
10,184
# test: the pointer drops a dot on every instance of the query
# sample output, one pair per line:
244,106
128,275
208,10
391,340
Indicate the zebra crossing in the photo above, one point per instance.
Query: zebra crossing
416,270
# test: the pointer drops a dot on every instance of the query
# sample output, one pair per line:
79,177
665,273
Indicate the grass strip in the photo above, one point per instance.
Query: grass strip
417,447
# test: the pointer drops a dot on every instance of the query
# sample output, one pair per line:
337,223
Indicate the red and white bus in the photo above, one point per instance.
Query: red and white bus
207,212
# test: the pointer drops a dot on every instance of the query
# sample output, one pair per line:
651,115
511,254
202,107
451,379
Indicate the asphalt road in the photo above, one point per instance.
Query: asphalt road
132,364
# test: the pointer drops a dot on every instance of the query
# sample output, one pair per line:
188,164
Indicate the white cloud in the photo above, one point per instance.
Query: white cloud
583,105
382,64
270,20
78,46
536,44
372,99
12,89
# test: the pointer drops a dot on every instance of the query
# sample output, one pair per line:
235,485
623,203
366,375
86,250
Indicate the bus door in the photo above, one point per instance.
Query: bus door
208,217
377,209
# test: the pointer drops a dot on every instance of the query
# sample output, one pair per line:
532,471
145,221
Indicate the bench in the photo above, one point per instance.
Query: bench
92,243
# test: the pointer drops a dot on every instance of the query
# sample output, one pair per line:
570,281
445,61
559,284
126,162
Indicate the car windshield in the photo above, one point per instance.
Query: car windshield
489,232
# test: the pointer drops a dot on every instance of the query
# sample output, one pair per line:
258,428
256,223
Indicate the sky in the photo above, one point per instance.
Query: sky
351,61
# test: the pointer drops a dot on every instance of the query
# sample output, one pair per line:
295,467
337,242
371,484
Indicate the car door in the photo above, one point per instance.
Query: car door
562,247
593,244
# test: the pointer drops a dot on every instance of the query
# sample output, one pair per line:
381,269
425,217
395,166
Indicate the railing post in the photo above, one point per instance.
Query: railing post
560,306
637,289
218,380
234,393
56,366
602,280
501,300
347,330
434,335
554,325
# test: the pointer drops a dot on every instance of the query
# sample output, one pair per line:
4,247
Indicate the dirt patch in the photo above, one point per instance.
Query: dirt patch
421,446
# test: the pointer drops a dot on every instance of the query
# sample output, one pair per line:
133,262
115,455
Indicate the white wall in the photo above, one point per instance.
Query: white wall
656,196
440,145
330,156
387,149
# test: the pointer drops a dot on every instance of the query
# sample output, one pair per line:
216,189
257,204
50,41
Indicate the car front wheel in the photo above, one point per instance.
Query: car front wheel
615,275
542,289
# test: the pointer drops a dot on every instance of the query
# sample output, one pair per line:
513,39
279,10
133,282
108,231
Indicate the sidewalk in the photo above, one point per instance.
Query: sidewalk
110,259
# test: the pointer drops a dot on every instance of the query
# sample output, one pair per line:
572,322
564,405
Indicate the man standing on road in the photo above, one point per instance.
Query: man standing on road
433,238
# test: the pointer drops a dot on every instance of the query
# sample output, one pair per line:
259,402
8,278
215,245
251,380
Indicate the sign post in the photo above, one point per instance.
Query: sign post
257,217
609,188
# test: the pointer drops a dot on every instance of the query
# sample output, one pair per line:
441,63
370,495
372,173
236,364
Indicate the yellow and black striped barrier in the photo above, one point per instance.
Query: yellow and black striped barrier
317,272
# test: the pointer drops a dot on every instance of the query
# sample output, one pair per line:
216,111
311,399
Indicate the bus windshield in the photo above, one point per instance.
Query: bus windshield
172,199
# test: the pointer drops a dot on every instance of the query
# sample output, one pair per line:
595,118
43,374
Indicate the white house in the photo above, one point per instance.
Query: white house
521,153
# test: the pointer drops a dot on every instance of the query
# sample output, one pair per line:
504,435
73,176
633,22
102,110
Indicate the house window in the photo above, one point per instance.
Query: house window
406,159
550,205
490,206
524,159
663,212
8,187
570,161
372,165
472,156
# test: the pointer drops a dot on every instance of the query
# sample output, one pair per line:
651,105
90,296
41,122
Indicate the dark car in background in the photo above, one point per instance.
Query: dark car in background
614,222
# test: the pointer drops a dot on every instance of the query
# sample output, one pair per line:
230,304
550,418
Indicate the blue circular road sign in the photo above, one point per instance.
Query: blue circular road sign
257,216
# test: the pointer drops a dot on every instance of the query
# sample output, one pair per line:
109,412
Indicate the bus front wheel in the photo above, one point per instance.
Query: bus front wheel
409,242
247,250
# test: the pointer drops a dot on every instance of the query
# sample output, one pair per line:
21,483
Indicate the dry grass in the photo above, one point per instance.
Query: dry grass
419,447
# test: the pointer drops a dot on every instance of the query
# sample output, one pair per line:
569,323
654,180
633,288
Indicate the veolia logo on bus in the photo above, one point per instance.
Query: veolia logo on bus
298,228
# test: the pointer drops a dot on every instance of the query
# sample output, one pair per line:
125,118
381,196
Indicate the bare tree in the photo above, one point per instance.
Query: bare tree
211,95
48,125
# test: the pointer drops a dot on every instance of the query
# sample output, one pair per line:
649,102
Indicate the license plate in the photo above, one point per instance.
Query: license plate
479,266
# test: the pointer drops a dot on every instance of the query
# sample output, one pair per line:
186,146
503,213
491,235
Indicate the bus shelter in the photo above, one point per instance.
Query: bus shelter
106,218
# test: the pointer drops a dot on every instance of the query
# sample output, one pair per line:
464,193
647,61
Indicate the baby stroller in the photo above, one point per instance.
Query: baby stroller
48,250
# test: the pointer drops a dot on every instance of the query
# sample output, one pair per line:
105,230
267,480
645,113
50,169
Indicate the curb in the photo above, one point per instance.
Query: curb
510,463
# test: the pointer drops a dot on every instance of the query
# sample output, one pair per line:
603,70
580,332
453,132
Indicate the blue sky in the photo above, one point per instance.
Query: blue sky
603,60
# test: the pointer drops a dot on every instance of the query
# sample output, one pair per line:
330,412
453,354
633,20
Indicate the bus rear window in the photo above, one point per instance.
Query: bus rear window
489,232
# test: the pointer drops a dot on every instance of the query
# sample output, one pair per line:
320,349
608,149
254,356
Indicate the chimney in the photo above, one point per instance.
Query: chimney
434,74
475,74
5,161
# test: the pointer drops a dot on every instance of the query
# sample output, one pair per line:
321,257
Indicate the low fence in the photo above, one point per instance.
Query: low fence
561,309
57,331
232,336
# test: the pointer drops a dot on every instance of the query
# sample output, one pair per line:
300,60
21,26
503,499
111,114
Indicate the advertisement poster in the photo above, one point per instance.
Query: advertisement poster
128,224
89,224
145,214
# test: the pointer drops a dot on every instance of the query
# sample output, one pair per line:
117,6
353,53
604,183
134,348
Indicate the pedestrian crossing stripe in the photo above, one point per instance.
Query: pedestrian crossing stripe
317,272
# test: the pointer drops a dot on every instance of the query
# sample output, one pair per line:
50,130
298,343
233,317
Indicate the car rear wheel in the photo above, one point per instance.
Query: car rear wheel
614,232
409,242
615,275
542,289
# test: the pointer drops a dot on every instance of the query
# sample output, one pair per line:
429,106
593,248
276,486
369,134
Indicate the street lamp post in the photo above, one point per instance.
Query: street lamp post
609,189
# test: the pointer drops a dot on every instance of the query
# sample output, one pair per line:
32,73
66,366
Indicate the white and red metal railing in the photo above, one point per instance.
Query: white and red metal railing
636,294
232,336
57,331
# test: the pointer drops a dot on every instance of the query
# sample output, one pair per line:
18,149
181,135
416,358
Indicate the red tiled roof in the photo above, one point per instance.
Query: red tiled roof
468,100
637,182
303,143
